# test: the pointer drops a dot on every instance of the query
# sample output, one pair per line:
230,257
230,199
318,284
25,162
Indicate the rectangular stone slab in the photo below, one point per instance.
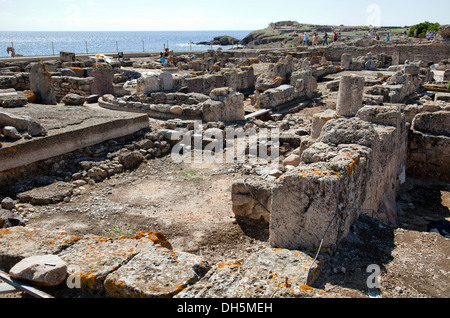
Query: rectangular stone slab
19,242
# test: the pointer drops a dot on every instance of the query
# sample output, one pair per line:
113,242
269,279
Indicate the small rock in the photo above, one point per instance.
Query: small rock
43,270
8,203
131,160
178,110
11,132
73,100
292,160
9,219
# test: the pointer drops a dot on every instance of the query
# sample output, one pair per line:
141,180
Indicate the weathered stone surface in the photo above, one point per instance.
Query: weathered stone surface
73,100
346,172
385,115
226,105
9,98
350,97
436,123
103,80
346,61
166,81
319,120
21,123
8,203
352,131
267,273
92,258
251,200
156,272
50,194
292,160
41,270
17,243
9,219
11,132
67,56
131,160
41,84
148,83
310,82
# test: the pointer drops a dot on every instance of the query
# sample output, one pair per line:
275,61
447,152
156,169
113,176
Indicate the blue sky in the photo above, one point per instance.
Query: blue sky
141,15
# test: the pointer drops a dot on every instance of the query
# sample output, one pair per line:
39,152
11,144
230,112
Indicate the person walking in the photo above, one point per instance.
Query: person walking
325,39
315,42
305,39
336,37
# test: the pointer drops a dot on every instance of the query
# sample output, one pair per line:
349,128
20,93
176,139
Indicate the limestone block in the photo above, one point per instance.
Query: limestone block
310,82
67,56
155,273
41,84
436,123
41,270
346,61
395,58
271,272
319,120
292,160
251,200
17,243
73,100
350,96
103,80
167,82
385,115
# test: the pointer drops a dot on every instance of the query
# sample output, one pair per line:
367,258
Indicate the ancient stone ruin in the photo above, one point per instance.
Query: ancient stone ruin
349,125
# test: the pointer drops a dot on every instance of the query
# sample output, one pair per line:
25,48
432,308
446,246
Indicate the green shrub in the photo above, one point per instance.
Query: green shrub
423,28
448,85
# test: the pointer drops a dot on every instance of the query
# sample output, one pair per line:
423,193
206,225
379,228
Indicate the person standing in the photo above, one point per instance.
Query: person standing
335,38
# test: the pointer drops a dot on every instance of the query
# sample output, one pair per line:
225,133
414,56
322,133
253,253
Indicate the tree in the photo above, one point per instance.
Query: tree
423,28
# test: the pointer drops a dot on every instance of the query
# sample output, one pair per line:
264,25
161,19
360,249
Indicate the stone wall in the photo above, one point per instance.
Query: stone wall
429,142
71,85
428,53
18,81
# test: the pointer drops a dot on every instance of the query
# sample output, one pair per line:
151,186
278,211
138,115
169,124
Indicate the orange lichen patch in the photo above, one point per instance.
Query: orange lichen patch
319,173
306,288
285,283
277,78
89,278
5,231
230,264
29,95
351,168
325,117
14,149
155,237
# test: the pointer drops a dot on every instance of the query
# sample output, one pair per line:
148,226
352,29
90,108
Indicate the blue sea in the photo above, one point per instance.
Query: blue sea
35,43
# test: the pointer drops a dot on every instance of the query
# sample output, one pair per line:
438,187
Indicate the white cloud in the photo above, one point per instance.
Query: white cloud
92,3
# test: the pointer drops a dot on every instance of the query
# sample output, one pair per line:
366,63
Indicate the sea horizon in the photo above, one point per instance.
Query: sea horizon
37,43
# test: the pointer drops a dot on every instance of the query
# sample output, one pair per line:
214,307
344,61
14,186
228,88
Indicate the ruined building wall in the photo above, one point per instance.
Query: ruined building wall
64,85
428,53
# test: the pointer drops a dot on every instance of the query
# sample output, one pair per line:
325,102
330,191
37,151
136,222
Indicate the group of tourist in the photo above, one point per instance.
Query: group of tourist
431,35
315,39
